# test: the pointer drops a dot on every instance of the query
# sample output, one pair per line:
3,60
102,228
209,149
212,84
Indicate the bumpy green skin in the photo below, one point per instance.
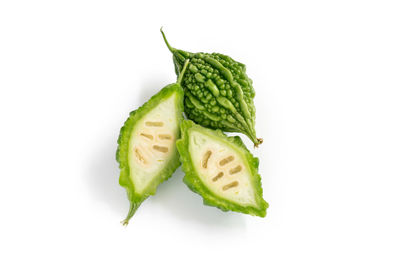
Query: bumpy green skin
123,149
193,181
218,93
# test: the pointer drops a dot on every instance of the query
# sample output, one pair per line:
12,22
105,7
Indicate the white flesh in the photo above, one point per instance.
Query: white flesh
152,143
221,168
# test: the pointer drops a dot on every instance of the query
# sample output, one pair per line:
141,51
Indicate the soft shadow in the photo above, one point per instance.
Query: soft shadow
103,172
180,201
102,178
149,88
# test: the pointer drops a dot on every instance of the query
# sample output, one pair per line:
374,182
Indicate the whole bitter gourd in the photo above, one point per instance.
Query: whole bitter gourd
147,152
218,93
220,169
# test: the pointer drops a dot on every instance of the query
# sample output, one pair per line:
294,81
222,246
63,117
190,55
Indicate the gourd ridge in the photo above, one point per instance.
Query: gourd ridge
218,92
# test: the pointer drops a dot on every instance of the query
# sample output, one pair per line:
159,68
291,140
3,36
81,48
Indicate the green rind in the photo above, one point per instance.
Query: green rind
195,184
207,78
122,154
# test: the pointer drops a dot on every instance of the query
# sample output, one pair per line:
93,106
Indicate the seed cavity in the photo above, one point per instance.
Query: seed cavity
231,185
219,175
162,149
165,136
139,156
206,157
148,136
154,123
237,169
226,160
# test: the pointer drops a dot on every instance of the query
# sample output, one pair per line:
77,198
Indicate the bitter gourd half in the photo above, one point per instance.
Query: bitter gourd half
221,170
147,153
218,92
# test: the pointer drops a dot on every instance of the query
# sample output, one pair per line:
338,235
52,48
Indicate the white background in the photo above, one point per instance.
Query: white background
326,75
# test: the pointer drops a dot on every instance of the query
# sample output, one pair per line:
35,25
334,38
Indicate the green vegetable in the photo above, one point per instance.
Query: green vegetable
221,170
147,153
218,93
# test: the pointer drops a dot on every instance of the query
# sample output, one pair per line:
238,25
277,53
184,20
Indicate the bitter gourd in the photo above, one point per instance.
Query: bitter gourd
218,92
220,169
147,153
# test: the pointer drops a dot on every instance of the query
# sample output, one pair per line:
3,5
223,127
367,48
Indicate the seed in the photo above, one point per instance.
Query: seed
164,136
154,123
148,136
228,186
237,169
226,160
206,156
219,175
162,149
140,156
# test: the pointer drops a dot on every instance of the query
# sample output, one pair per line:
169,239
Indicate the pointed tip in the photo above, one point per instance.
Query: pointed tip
259,142
132,209
161,30
166,41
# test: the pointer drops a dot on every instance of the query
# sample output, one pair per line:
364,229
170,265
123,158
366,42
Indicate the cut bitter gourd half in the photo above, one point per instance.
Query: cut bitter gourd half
147,152
152,142
221,170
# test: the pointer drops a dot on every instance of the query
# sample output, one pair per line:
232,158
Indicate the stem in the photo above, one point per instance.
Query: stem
260,141
183,71
166,42
254,139
132,209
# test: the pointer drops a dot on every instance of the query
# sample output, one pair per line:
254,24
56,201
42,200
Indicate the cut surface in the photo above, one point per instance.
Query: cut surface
153,142
221,168
147,152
